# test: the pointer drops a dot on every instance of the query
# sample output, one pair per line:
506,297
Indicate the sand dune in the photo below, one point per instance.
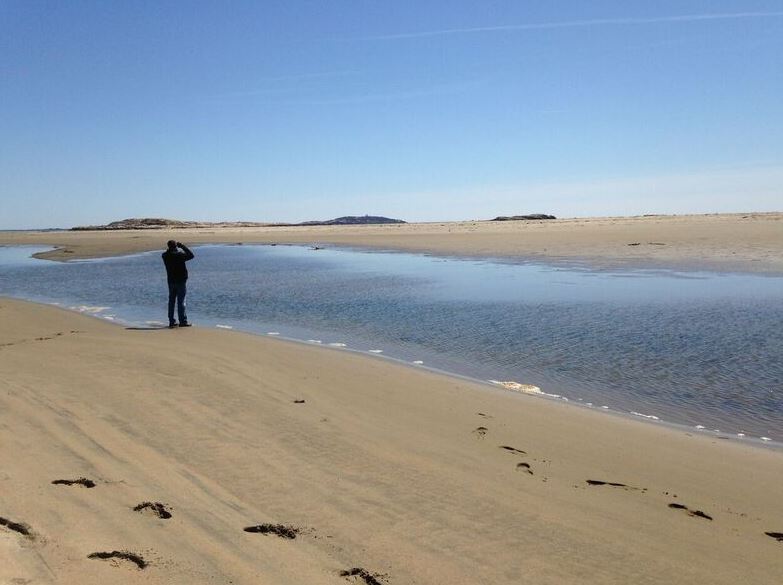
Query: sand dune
409,476
751,242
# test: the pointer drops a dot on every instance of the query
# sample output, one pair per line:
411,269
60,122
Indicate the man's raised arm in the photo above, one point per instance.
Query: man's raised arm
188,253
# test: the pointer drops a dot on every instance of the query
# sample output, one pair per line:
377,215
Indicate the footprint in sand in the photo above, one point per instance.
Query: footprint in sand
364,574
525,467
155,508
776,535
513,450
696,513
480,432
614,484
280,530
19,527
299,401
121,555
82,481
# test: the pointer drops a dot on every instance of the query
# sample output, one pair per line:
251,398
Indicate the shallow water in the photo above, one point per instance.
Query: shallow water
691,348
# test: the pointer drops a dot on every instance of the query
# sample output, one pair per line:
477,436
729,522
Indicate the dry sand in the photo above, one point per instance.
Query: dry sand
385,467
751,242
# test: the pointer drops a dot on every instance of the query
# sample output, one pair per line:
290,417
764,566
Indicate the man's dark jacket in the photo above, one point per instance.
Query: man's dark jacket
175,264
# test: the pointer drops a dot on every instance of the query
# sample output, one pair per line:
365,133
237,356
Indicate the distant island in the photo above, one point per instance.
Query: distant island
352,220
154,223
532,216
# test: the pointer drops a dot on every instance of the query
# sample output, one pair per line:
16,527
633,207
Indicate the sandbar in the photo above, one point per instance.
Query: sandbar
747,242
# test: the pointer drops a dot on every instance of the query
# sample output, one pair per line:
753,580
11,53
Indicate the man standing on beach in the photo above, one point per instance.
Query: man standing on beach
174,258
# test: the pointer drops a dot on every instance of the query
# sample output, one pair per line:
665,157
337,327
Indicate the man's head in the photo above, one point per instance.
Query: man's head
172,244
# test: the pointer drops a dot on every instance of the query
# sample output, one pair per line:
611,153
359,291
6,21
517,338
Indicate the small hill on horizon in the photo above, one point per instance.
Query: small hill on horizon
353,220
156,223
529,217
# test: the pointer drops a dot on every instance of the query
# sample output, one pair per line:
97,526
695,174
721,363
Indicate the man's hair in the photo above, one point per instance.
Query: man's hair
171,244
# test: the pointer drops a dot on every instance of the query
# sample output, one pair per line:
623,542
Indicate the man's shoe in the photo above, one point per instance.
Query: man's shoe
186,324
172,325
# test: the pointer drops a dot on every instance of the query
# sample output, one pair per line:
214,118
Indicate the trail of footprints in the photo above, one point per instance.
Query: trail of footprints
162,511
482,431
42,338
287,532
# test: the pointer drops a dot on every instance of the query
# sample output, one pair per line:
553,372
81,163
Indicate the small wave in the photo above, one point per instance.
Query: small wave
313,341
219,326
337,344
273,333
417,362
518,386
375,350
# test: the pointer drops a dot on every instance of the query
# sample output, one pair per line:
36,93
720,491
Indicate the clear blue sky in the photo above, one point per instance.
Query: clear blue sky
290,110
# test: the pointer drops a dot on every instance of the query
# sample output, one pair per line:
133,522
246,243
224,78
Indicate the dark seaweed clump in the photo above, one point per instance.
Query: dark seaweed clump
122,555
156,507
369,578
277,529
16,526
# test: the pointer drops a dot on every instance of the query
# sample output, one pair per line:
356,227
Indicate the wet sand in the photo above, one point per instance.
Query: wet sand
282,463
751,242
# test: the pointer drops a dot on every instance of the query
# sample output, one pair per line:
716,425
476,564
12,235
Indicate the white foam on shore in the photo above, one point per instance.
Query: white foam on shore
338,344
375,350
649,416
417,362
314,341
765,439
529,389
89,309
273,333
219,326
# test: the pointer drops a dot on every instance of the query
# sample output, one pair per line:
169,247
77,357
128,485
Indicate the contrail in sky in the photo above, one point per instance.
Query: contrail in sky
575,24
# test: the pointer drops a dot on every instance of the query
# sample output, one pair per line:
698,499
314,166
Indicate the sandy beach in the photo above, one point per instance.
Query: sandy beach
410,476
749,242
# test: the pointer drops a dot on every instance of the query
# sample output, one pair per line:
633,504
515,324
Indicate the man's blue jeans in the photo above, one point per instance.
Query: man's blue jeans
177,292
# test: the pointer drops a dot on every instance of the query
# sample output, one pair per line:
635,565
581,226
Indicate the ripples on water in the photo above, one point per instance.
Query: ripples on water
694,348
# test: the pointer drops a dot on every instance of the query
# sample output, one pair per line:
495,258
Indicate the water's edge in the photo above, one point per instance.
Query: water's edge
485,384
698,430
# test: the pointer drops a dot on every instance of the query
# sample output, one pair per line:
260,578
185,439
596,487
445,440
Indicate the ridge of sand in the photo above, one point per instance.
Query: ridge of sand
410,476
750,242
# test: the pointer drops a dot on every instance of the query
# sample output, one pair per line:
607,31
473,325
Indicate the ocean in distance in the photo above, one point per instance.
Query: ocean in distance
694,348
